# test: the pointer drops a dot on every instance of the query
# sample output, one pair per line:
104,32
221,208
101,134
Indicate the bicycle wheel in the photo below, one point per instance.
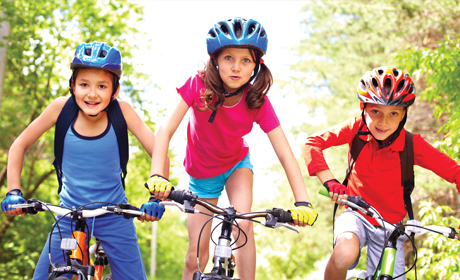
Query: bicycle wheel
107,277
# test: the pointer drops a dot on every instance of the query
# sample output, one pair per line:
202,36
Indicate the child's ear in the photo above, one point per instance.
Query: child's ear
118,90
361,105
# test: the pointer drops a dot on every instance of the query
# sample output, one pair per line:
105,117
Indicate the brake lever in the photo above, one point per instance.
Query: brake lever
186,208
277,225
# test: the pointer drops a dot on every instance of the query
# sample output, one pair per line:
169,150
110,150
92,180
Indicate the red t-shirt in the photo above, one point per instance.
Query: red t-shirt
376,175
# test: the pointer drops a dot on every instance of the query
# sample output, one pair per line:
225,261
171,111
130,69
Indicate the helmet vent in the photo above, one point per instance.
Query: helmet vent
262,34
375,84
238,29
87,51
400,86
103,54
395,72
387,87
362,84
251,28
211,34
224,28
380,71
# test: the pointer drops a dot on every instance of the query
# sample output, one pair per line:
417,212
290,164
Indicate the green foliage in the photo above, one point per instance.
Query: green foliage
439,68
438,259
42,41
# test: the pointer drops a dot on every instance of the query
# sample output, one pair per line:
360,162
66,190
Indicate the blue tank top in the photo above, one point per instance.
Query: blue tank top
91,169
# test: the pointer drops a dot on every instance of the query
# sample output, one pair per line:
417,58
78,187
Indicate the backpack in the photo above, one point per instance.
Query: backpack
64,120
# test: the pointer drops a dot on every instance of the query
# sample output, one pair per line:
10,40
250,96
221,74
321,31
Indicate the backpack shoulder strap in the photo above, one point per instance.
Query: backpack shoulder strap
121,130
356,146
65,118
407,172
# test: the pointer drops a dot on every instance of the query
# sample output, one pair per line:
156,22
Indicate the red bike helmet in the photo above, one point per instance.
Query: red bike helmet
386,86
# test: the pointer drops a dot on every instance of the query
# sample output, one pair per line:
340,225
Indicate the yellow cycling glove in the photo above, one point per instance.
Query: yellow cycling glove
157,183
304,212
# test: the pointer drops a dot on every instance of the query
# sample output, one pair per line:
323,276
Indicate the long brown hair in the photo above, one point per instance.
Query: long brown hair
214,85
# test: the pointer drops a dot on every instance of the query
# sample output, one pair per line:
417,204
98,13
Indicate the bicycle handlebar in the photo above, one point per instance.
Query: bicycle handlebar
185,201
33,206
357,203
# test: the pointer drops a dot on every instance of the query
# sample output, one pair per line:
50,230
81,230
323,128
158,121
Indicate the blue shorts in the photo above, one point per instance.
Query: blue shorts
372,237
213,187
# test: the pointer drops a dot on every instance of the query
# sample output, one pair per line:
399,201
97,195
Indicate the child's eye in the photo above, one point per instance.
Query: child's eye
228,57
102,86
247,60
375,112
394,114
83,84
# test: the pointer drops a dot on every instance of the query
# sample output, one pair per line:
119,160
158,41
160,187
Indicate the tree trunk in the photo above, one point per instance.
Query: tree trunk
4,33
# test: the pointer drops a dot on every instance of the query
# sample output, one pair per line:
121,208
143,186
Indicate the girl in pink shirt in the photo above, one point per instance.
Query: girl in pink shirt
224,105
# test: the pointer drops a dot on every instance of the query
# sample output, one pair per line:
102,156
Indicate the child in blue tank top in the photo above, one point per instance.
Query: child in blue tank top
90,162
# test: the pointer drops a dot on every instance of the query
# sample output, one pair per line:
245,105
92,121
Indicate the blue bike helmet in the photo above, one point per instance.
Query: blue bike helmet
237,33
98,55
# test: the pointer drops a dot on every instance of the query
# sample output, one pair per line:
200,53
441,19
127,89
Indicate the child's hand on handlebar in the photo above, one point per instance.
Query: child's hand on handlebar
13,197
152,209
303,214
158,186
336,191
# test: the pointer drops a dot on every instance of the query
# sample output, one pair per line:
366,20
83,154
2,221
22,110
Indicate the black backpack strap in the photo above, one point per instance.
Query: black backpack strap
63,122
121,130
356,146
407,172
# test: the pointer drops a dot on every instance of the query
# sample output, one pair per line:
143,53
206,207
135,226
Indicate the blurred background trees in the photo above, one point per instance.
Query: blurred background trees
342,40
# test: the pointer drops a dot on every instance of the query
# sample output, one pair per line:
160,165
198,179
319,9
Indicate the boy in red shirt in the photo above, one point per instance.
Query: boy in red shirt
385,93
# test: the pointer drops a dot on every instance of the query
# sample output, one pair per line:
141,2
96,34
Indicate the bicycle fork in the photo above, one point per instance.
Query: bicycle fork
385,269
77,259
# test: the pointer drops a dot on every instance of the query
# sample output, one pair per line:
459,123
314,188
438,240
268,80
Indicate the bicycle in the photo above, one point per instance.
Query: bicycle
223,261
76,249
385,268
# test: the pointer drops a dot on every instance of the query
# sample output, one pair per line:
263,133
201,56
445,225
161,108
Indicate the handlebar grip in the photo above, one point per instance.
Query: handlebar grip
180,196
324,191
35,209
284,216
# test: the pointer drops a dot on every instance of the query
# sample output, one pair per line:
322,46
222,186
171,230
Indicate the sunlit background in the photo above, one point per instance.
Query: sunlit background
176,33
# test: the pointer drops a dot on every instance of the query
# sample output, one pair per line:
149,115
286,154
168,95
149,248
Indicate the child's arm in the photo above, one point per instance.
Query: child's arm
157,185
292,169
141,131
27,138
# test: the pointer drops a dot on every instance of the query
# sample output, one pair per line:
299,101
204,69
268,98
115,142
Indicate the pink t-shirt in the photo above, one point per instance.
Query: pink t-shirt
214,148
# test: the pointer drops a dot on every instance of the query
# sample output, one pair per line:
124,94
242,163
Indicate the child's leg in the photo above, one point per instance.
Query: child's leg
351,234
345,253
119,241
194,224
239,190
